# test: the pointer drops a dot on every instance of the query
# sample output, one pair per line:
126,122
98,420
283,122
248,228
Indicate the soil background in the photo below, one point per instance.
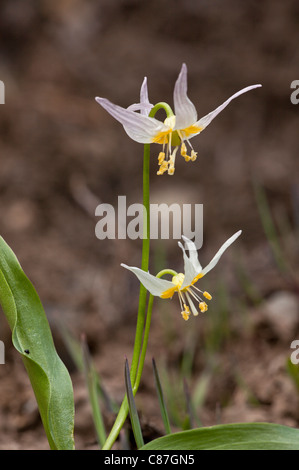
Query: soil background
62,155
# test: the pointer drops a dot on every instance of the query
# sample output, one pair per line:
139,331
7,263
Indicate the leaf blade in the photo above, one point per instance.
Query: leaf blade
32,337
132,408
240,436
162,404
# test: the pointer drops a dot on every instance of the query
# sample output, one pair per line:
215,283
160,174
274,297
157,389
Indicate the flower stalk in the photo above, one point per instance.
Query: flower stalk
143,318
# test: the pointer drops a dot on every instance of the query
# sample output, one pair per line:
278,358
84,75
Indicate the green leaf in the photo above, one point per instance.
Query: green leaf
31,336
91,379
132,408
244,436
160,394
269,226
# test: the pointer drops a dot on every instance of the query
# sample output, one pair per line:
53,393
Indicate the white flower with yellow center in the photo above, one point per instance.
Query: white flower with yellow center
184,284
175,130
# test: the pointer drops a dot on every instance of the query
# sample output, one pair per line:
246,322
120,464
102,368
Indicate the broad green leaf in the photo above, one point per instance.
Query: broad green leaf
244,436
31,336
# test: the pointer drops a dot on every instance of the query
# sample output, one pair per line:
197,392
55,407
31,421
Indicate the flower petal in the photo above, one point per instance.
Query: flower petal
184,109
192,266
205,121
220,253
140,128
144,106
152,283
144,98
193,255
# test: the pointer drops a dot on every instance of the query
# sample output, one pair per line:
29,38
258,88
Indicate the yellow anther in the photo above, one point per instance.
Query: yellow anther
171,165
163,168
193,155
186,312
203,307
172,162
183,149
161,158
207,295
187,308
185,316
184,152
171,170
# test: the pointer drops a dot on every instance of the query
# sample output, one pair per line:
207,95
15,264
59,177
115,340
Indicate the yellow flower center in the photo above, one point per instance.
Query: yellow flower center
164,136
186,294
175,138
177,280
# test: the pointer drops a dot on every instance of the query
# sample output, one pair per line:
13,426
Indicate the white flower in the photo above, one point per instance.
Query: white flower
175,130
184,284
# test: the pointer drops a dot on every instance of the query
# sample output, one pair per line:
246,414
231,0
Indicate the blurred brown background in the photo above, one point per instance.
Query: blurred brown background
62,154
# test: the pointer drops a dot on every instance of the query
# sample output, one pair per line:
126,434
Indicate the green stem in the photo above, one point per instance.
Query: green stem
147,328
144,263
142,325
161,105
166,271
123,411
145,342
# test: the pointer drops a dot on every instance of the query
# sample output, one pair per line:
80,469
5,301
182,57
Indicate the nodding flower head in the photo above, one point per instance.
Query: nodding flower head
177,129
191,298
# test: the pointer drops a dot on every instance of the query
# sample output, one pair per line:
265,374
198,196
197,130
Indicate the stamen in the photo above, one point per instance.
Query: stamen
193,308
186,312
194,294
181,303
193,155
171,166
183,149
203,307
161,158
182,299
207,295
172,162
184,152
163,168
